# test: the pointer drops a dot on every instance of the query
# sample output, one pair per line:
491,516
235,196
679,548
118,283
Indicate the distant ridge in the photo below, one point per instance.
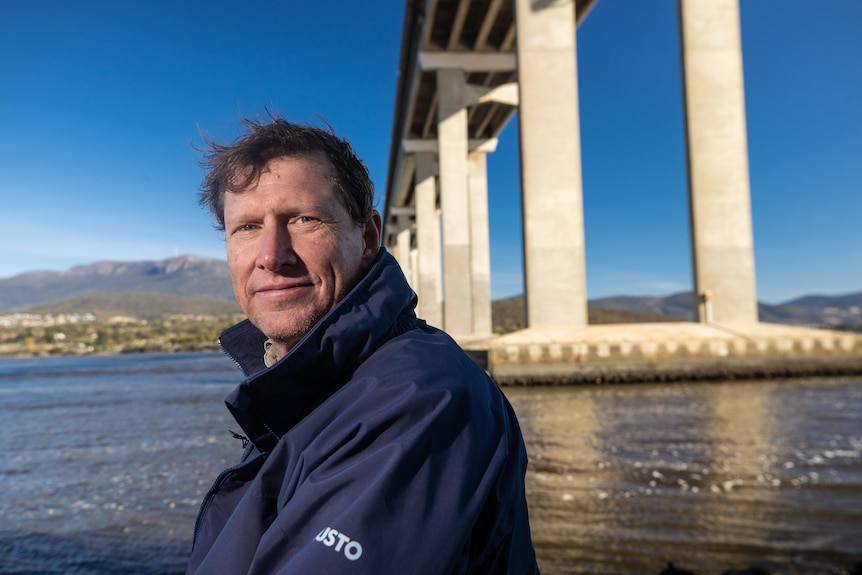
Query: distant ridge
678,305
188,276
147,306
841,311
813,310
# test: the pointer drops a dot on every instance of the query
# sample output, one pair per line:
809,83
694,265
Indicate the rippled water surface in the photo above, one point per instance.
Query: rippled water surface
711,477
104,462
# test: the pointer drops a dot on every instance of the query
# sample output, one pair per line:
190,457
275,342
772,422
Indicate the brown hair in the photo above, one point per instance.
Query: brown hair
234,167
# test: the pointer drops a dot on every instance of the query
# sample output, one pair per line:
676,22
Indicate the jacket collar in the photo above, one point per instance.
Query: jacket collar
272,400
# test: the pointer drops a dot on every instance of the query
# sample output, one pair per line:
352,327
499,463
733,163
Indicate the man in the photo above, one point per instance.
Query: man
375,445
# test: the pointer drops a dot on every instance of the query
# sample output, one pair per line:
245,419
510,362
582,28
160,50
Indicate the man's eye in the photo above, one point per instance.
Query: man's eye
305,220
245,228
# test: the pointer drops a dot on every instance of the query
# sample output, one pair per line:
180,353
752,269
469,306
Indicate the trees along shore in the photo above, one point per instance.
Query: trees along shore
27,335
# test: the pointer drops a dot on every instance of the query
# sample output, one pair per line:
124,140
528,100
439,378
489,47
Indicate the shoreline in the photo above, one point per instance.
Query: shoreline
605,353
76,352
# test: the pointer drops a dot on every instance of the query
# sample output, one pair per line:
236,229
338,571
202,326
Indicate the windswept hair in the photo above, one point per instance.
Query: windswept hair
235,167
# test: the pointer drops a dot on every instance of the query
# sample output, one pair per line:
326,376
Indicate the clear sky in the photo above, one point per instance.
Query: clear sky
102,101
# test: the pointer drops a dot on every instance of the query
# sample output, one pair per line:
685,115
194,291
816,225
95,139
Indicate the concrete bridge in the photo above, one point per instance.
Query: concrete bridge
466,67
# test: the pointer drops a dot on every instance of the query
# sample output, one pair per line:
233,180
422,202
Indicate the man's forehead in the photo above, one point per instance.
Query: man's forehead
284,170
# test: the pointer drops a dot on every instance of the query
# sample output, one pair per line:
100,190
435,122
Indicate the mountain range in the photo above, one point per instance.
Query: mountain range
187,276
813,310
209,279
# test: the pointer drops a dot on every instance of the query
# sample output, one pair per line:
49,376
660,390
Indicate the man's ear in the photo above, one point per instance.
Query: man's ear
372,236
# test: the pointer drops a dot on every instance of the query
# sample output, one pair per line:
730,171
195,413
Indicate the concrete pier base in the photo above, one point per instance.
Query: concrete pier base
677,351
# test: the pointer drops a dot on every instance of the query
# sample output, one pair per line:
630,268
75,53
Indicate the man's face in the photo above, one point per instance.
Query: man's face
293,250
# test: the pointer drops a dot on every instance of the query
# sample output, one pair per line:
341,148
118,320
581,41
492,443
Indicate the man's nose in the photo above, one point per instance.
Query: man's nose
276,248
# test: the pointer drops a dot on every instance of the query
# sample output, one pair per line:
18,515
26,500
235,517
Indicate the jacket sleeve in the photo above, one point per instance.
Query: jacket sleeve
405,479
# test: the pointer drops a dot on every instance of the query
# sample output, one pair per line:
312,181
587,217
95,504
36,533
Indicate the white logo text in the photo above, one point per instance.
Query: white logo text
340,542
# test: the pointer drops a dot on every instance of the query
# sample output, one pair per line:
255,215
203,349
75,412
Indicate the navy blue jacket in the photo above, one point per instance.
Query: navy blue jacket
376,446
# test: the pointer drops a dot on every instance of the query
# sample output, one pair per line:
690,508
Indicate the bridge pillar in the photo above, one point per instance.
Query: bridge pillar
428,285
403,253
480,243
551,189
399,222
452,144
719,196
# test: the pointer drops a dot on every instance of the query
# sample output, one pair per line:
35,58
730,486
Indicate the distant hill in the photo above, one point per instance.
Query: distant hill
508,315
820,310
147,306
187,276
813,310
678,306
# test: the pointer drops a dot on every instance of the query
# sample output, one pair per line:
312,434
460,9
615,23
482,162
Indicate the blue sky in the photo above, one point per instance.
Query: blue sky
101,103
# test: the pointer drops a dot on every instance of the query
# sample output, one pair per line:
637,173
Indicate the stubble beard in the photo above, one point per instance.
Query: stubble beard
288,336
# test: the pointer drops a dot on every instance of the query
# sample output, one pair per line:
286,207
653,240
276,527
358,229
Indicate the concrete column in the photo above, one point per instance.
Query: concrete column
428,285
551,190
719,196
480,242
403,247
454,202
397,224
414,266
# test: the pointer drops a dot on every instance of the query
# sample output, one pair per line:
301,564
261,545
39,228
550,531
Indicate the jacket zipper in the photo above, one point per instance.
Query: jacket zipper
232,358
224,474
217,485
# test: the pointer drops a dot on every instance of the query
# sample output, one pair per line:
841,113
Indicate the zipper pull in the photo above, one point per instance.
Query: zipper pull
236,435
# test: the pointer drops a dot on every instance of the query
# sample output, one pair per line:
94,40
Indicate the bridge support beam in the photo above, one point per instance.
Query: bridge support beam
428,285
551,188
719,196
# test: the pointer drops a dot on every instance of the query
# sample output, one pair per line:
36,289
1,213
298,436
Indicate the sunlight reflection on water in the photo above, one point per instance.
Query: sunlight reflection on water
624,479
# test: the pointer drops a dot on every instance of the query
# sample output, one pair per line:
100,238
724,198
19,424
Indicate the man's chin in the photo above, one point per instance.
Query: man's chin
285,333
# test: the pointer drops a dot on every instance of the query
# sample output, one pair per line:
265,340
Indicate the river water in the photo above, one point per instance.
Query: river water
105,460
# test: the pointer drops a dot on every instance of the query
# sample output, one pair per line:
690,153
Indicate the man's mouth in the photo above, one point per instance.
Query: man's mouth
280,289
